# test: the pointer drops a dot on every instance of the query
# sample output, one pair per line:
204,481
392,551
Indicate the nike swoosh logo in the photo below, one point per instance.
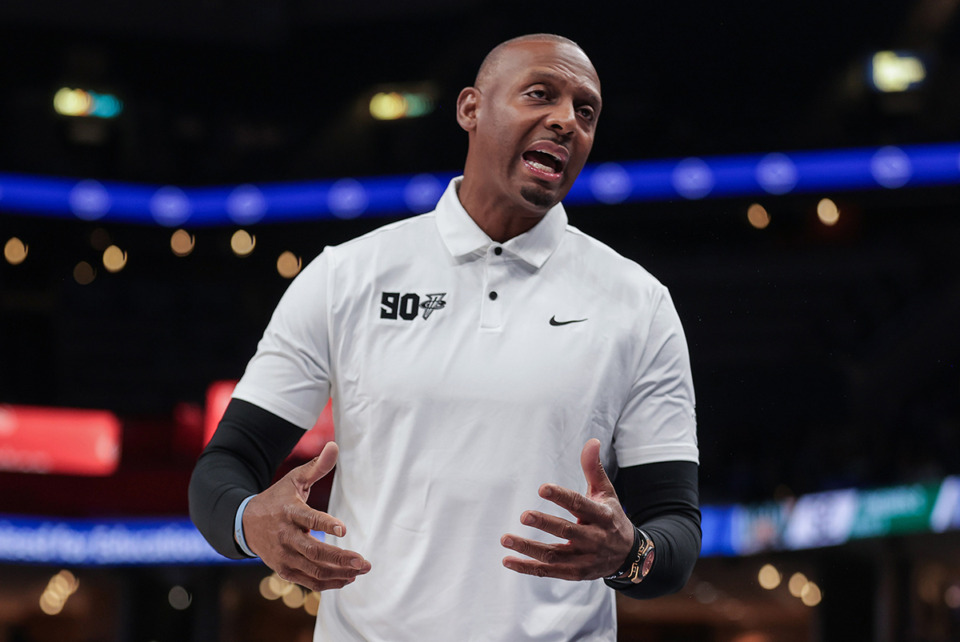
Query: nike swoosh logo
553,321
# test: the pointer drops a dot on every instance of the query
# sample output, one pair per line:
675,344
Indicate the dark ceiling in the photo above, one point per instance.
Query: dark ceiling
822,356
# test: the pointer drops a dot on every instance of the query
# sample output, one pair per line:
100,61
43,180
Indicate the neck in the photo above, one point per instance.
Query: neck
498,217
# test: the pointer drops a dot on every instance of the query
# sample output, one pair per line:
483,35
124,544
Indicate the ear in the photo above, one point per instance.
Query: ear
467,103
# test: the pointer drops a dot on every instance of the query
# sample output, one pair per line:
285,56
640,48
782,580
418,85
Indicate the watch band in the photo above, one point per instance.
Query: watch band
638,562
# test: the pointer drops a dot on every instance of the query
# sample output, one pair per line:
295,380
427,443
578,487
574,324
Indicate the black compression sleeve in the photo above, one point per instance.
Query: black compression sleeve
663,499
240,460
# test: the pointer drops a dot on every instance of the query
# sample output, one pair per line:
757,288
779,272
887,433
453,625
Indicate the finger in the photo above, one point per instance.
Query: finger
349,563
313,583
562,528
304,554
585,509
310,519
546,553
317,468
539,569
593,471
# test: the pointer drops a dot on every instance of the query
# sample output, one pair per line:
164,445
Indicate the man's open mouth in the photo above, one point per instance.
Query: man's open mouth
546,159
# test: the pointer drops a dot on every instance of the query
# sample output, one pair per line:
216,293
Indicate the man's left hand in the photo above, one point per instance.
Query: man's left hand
594,546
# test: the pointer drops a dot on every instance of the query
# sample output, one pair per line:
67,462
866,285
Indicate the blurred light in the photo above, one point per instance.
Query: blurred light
182,242
892,71
80,102
99,239
179,598
952,597
294,598
83,273
796,584
311,603
15,251
810,594
387,106
288,265
395,105
266,589
769,577
705,593
827,212
114,259
776,173
758,216
170,206
347,198
242,243
60,587
89,200
610,183
891,167
692,178
278,585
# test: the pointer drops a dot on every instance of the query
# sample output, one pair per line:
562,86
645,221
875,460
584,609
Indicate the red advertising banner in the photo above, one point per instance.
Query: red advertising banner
310,445
59,440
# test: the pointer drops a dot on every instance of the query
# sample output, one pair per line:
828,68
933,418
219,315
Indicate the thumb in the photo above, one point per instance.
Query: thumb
316,469
593,471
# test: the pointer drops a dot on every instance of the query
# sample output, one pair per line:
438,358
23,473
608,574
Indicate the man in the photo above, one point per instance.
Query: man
471,353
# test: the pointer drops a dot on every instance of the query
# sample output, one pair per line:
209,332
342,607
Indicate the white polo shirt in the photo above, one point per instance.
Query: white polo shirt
465,373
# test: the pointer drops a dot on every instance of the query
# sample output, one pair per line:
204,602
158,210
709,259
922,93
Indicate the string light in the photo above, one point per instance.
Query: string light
179,598
288,265
242,243
84,273
769,577
60,587
182,243
15,251
757,216
828,212
114,259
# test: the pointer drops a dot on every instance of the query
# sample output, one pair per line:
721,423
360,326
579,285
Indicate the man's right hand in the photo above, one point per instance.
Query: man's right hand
277,525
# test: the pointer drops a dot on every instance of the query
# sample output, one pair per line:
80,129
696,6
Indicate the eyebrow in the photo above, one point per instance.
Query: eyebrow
540,75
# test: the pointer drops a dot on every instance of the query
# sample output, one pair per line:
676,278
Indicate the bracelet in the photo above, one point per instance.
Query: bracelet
238,529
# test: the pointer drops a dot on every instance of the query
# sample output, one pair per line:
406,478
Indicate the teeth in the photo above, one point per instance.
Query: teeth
541,167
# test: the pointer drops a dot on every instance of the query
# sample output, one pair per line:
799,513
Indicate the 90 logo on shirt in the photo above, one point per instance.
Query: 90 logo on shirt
394,305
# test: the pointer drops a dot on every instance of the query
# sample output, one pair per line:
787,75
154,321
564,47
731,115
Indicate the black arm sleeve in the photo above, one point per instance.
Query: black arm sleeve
240,460
663,499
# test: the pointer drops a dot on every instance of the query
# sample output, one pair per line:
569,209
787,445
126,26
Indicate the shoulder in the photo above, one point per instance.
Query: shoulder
600,263
415,227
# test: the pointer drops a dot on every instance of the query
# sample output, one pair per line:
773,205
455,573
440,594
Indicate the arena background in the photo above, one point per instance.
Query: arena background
823,334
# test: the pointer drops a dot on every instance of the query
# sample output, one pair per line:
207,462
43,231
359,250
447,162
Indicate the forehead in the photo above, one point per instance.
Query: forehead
535,60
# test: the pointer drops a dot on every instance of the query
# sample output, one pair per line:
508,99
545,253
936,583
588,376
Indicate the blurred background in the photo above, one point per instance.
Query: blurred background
790,170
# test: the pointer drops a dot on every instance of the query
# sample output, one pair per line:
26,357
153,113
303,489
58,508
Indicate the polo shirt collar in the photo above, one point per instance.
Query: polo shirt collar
463,237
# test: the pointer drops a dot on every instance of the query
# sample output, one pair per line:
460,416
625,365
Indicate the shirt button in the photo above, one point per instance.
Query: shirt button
498,250
493,296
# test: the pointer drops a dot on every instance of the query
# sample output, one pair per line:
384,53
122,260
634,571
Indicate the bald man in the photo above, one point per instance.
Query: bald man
492,369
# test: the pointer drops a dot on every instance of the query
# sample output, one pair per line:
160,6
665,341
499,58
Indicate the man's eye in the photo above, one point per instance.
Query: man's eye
537,93
586,113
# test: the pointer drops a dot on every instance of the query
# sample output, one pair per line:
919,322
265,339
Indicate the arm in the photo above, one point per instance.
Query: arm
240,460
663,500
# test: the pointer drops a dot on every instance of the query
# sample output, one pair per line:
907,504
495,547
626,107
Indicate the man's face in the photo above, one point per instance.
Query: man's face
536,117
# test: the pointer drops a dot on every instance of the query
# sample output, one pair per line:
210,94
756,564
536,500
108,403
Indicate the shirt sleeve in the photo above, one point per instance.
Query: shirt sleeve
658,421
289,375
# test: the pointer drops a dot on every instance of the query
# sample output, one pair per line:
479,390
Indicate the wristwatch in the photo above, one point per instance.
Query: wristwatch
639,561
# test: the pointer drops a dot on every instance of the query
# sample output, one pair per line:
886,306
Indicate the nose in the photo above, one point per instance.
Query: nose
562,117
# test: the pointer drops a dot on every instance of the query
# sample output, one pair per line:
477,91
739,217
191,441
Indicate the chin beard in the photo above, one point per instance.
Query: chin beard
538,197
